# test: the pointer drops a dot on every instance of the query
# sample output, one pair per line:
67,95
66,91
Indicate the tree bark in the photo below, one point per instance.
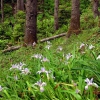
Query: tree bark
14,7
20,5
2,11
56,10
75,18
95,8
31,23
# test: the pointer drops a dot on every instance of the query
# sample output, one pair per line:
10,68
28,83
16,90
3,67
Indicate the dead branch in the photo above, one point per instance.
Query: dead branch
53,37
12,48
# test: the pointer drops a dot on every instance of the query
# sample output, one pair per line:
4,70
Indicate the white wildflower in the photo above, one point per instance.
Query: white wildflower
68,56
86,87
38,56
18,66
41,85
44,59
98,57
48,47
90,83
16,77
1,88
82,45
77,91
91,47
34,44
59,48
49,43
95,85
44,71
25,71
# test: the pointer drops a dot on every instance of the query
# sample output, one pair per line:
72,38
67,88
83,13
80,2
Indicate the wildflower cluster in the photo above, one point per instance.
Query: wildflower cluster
19,66
40,83
49,44
89,46
41,57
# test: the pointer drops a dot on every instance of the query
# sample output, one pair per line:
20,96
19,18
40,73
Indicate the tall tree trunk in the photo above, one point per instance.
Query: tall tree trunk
20,5
14,7
31,22
56,9
95,8
75,18
2,11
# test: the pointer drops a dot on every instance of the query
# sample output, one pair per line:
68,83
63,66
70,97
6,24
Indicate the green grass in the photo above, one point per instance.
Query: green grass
64,77
67,73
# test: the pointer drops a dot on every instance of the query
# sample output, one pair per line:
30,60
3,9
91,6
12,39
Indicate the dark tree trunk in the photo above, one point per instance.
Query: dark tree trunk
20,5
56,9
31,22
75,19
2,11
14,7
95,8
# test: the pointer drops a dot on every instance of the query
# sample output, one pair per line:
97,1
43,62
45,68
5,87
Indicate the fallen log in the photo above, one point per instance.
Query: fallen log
53,37
12,48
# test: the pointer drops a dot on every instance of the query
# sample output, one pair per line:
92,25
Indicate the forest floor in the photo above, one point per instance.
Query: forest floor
59,63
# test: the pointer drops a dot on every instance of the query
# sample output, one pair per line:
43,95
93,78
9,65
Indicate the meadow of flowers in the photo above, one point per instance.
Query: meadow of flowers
52,74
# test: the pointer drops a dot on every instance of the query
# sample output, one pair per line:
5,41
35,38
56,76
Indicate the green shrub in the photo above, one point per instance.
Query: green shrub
64,15
3,44
45,27
88,21
18,29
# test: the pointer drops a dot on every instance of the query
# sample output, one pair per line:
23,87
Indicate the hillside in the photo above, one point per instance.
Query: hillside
60,69
67,63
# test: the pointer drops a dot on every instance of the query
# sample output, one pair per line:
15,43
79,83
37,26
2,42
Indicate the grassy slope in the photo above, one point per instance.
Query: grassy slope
23,54
89,35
